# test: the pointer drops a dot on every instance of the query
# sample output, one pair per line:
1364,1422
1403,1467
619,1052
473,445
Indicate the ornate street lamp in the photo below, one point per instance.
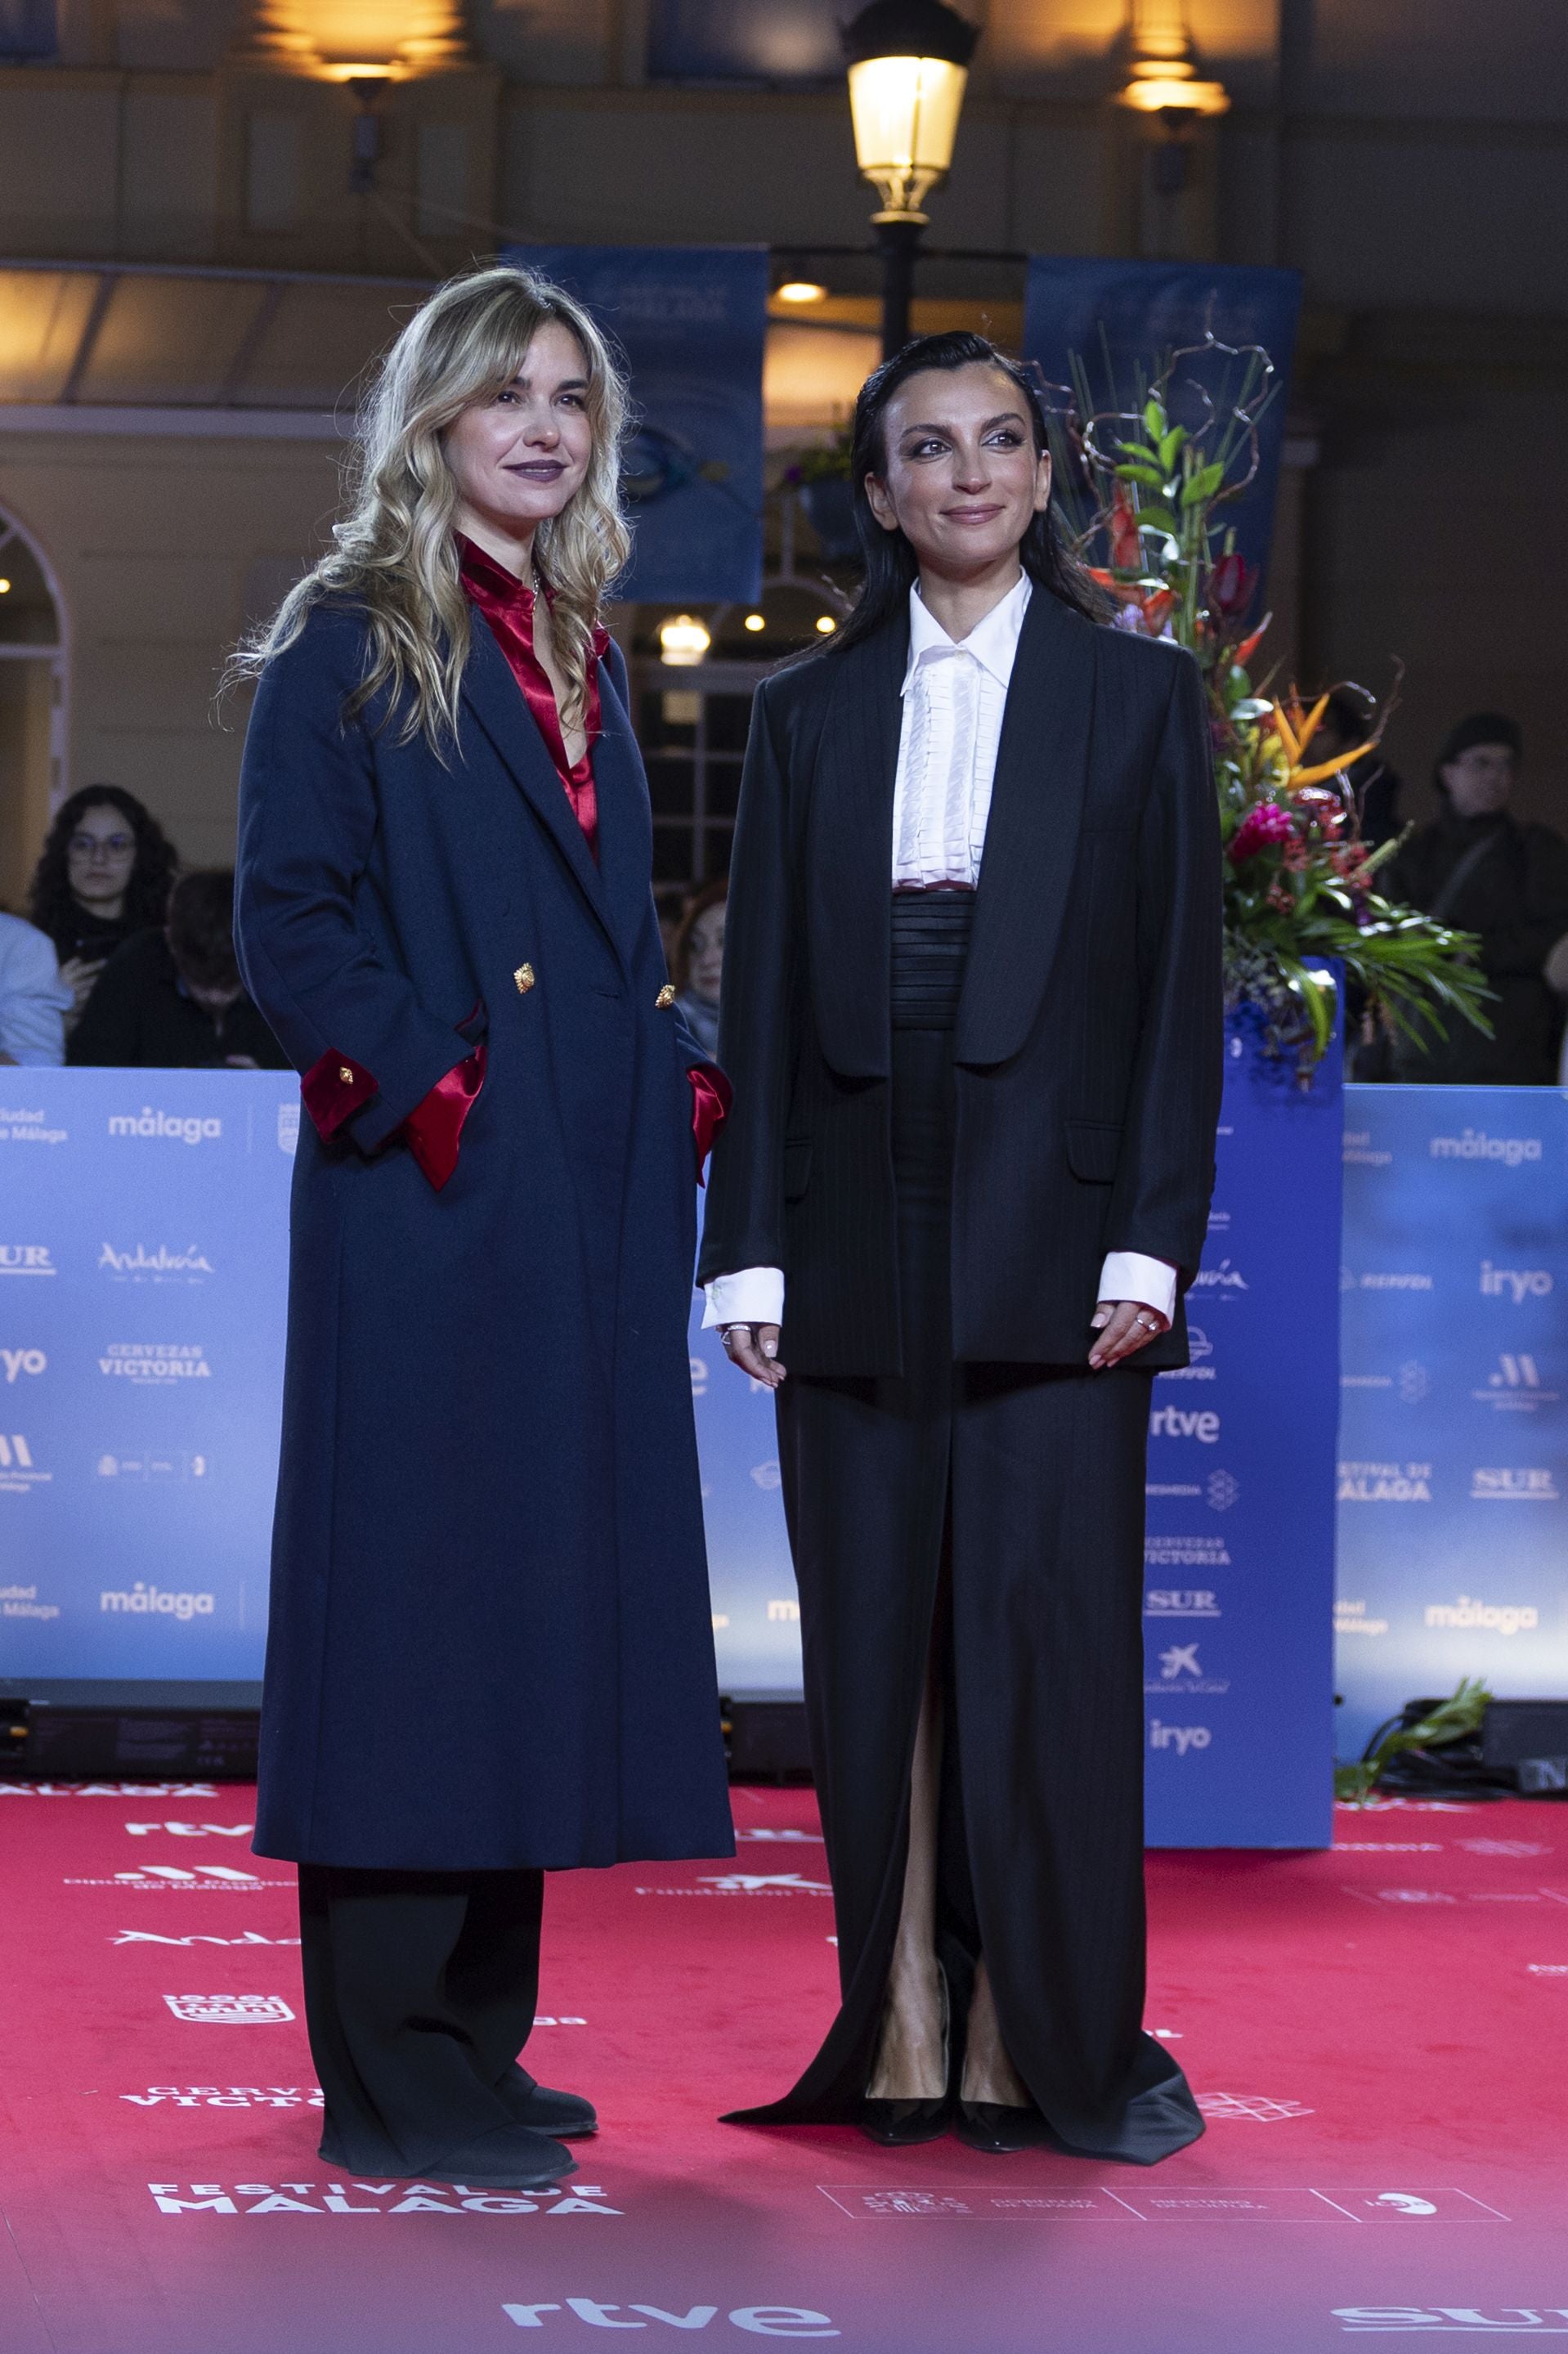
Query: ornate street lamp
908,62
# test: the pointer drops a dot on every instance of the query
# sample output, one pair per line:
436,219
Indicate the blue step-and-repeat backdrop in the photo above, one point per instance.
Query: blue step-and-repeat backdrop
142,1253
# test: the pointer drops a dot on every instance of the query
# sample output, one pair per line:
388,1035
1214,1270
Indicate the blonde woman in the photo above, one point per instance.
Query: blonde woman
489,1651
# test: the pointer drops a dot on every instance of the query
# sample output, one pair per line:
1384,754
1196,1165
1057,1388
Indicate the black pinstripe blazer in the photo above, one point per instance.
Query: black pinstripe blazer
1089,1037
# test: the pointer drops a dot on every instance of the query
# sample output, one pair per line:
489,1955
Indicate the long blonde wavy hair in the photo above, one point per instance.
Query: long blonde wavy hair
396,553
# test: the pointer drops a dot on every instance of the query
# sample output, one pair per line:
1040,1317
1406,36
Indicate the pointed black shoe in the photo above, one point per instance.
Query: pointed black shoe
999,2130
510,2159
898,2124
566,2115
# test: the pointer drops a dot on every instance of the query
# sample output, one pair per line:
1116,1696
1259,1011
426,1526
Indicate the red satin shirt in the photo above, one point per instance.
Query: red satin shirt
507,604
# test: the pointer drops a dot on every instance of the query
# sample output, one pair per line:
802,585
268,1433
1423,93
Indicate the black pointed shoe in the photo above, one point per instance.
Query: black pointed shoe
898,2124
999,2130
566,2115
510,2159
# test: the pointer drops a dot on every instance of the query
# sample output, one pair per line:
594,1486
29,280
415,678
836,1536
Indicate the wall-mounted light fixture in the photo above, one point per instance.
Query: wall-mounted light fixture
683,642
1163,77
802,290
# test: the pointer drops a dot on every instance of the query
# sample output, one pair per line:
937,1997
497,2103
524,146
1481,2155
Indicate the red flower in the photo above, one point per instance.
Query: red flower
1230,586
1264,824
1126,548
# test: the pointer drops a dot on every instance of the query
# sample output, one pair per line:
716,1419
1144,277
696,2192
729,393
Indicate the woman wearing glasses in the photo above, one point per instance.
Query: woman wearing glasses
972,1017
104,873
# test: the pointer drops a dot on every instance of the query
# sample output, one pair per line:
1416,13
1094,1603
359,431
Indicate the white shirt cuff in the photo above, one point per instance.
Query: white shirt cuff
753,1296
1127,1274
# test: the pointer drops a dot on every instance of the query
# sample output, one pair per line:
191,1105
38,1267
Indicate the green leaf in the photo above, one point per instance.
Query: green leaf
1136,450
1154,419
1140,474
1202,485
1171,446
1158,519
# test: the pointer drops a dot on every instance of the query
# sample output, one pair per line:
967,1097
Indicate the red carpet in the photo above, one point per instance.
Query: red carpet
1378,2037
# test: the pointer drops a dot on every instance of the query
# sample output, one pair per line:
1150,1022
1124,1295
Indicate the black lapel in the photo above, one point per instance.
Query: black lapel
495,699
1031,834
849,861
625,822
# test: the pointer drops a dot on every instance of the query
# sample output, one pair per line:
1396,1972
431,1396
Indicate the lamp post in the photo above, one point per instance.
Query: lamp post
908,62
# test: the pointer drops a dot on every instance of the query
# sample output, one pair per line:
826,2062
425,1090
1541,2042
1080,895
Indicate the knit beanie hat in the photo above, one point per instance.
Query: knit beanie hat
1480,727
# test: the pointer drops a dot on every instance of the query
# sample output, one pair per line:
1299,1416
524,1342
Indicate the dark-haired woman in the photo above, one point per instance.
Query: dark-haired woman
104,873
972,1015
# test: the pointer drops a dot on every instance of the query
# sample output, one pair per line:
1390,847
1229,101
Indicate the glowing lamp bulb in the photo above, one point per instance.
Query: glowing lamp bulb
683,642
826,625
753,621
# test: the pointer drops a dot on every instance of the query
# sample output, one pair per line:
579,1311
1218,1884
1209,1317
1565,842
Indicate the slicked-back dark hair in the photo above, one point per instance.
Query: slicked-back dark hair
891,565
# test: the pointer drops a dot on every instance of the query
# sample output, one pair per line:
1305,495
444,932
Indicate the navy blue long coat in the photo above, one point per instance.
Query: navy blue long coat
490,1640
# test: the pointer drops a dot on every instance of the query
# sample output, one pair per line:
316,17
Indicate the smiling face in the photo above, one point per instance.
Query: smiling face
520,455
963,478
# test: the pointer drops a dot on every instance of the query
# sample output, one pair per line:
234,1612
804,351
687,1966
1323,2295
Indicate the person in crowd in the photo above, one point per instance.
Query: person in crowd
33,998
491,1650
1481,869
697,965
973,1014
173,999
1347,722
104,873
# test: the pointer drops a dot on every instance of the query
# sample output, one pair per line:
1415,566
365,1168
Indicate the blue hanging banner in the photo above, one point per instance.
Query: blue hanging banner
691,321
1453,1490
1122,319
30,30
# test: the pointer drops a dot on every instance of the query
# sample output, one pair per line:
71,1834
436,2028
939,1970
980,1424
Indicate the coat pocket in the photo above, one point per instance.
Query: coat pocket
475,1027
1094,1146
797,1167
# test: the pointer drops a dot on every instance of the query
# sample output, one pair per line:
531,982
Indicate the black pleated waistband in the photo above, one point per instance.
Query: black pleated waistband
930,948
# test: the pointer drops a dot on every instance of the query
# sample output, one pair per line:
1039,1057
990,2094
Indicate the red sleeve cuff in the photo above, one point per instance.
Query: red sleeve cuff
712,1096
333,1088
434,1128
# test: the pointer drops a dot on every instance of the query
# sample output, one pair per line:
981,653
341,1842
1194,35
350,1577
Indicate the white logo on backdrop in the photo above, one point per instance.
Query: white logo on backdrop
18,1472
25,1258
1516,1283
1201,1423
1223,1278
23,1361
1516,1387
1180,1602
22,1602
161,1266
1353,1619
1534,1485
1223,1488
287,1127
1180,1670
1496,1617
185,1128
154,1599
21,1126
1185,1552
1179,1737
1474,1144
1385,1483
155,1363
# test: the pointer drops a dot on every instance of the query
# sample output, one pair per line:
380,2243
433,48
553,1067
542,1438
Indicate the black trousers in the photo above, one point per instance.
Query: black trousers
990,1516
420,1989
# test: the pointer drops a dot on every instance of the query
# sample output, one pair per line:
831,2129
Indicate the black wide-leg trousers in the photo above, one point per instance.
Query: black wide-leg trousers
989,1517
420,1989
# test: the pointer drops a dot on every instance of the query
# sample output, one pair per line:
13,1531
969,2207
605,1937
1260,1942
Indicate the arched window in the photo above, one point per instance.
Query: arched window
33,651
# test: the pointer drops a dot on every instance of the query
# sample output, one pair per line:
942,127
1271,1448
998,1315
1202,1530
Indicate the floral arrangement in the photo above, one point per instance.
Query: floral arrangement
1146,496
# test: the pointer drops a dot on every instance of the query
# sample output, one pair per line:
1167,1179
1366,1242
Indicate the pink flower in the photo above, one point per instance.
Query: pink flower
1265,823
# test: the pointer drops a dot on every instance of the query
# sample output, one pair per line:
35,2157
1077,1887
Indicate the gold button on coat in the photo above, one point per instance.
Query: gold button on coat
666,996
345,1075
524,977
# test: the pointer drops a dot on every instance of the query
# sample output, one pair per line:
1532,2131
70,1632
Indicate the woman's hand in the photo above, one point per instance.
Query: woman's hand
78,976
754,1348
1124,1326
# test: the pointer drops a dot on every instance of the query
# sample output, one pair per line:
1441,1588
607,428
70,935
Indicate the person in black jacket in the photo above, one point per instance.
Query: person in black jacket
1478,868
972,1015
172,1000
